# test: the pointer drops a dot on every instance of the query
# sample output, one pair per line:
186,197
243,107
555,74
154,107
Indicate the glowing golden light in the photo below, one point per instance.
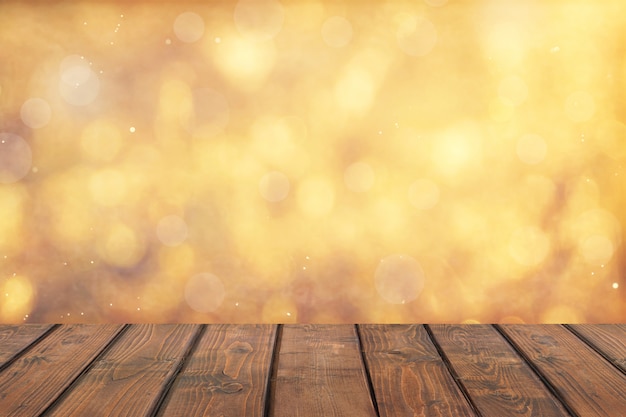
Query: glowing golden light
18,297
121,246
265,160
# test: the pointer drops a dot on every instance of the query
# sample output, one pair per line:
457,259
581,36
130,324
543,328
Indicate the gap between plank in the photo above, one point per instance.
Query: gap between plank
368,376
30,346
270,383
455,376
69,388
156,409
596,349
546,382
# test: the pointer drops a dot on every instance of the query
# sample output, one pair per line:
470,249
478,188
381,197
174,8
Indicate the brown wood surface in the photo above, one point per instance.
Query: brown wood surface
408,375
497,379
587,382
226,375
609,339
131,377
320,372
36,379
313,370
14,339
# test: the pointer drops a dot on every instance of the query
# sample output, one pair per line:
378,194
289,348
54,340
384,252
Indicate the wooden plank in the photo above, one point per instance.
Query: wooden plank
498,380
609,339
408,375
129,379
14,339
588,383
320,372
31,383
226,375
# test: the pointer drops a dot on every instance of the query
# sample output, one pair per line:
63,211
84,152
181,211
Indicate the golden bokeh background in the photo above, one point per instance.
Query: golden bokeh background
312,161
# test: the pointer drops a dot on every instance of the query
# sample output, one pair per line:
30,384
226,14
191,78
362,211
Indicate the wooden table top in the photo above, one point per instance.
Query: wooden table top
313,370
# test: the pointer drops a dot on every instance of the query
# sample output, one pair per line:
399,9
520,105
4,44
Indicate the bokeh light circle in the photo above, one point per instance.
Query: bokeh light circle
36,113
189,27
399,279
15,158
78,84
423,194
259,20
204,292
337,31
172,230
596,249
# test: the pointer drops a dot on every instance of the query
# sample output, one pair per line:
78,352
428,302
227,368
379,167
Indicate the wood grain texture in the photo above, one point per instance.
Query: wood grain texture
226,375
129,379
588,383
14,339
36,379
408,375
610,339
498,380
320,373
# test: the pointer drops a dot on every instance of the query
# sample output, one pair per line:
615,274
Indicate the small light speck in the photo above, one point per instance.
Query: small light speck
237,304
289,314
132,129
112,43
85,23
35,170
602,266
308,257
91,262
304,268
380,132
168,41
555,49
65,263
110,304
82,314
122,16
593,273
218,40
615,285
138,309
101,72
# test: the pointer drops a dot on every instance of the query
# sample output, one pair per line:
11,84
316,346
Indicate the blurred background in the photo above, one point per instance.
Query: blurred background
312,161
